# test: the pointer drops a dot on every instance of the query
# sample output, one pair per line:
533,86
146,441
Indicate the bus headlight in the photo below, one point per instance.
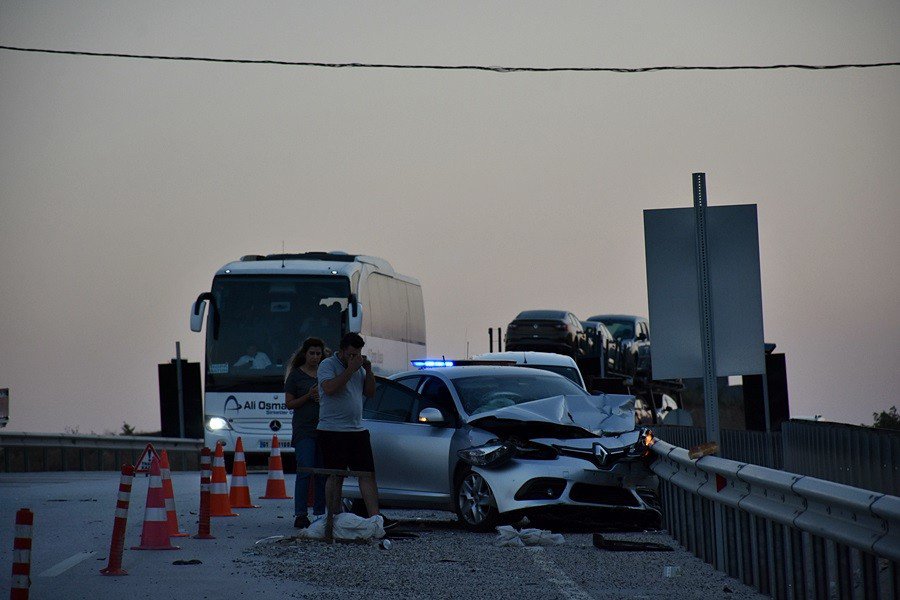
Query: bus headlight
217,424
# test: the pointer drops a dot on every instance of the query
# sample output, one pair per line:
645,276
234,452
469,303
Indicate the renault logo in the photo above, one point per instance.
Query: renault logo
275,425
600,453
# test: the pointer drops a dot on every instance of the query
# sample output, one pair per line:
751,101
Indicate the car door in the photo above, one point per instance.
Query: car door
411,458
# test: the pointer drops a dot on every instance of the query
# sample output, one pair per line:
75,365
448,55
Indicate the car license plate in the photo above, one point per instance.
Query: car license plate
264,444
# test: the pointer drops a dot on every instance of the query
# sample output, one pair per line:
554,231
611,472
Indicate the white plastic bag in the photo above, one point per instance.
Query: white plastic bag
347,526
510,536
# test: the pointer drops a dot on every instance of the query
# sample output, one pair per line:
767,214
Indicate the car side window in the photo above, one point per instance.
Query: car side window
392,402
436,394
411,382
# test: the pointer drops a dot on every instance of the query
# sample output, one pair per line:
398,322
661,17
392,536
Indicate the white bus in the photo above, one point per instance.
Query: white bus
261,308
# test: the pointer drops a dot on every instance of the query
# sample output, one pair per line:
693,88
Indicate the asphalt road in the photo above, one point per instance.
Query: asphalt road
74,516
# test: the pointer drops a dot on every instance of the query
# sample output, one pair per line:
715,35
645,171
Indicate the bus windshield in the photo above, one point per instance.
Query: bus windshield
262,320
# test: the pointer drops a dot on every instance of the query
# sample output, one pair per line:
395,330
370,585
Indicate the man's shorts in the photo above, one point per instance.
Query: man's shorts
346,450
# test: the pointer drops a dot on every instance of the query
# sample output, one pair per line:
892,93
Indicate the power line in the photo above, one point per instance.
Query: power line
495,69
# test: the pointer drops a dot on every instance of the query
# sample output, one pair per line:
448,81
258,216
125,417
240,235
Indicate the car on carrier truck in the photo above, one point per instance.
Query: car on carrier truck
556,331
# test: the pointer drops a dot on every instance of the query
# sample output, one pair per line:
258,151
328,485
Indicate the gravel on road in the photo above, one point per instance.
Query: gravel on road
446,562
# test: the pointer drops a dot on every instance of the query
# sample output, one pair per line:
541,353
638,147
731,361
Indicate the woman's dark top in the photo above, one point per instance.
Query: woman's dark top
305,418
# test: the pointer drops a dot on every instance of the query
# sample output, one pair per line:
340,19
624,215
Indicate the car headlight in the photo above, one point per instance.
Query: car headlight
491,454
641,448
217,424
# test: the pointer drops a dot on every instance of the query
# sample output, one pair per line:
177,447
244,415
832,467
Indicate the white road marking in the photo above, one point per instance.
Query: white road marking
557,576
67,564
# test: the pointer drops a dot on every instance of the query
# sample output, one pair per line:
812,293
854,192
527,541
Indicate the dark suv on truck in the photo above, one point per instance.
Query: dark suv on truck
633,336
556,331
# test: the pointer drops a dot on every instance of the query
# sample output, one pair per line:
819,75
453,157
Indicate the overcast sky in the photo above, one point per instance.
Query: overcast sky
125,184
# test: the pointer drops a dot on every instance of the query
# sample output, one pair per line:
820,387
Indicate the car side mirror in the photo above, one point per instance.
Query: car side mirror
198,309
354,315
641,337
432,416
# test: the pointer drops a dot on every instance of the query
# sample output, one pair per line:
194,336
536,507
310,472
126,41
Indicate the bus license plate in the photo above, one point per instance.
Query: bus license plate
265,444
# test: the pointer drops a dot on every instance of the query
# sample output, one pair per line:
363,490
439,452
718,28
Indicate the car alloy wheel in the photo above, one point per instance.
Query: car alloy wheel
475,502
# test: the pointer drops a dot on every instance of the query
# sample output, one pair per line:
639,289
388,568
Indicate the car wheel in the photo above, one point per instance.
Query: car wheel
475,504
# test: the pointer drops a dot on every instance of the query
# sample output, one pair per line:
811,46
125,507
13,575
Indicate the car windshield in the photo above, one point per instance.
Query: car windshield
484,393
620,329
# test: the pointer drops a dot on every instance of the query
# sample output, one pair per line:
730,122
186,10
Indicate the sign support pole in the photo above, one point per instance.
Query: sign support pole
710,384
180,389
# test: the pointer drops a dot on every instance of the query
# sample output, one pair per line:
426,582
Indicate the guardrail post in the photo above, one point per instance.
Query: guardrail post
789,563
885,578
857,589
809,567
831,569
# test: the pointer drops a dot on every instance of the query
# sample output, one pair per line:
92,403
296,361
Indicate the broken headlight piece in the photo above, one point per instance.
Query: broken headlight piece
641,448
533,450
492,454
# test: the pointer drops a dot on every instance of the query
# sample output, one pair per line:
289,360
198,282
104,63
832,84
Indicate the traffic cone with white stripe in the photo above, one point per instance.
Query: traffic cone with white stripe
275,489
240,491
205,476
155,535
21,569
219,504
117,544
169,496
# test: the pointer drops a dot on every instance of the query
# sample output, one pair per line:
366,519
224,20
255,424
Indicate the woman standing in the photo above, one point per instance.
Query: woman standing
301,394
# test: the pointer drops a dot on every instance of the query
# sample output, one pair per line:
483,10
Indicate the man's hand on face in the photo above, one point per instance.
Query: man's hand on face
354,362
367,364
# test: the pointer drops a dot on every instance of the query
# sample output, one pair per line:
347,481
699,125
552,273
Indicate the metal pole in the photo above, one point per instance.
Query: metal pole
710,385
499,340
180,389
770,451
490,339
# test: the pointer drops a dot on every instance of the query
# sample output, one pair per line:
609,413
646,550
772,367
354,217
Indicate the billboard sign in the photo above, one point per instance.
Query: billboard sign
673,291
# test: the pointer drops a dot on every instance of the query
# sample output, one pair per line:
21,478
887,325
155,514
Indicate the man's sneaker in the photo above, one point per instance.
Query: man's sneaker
301,522
389,523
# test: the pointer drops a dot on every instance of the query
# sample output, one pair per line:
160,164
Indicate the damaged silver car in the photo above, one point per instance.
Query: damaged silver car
495,443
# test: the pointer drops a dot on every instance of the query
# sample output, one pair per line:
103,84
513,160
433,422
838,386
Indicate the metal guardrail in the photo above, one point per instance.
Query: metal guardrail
754,447
858,456
20,452
790,536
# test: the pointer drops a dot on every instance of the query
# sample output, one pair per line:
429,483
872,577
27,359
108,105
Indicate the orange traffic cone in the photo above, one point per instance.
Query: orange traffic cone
275,485
219,505
155,535
240,491
169,496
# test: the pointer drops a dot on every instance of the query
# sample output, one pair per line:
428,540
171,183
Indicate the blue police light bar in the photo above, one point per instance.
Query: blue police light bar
430,364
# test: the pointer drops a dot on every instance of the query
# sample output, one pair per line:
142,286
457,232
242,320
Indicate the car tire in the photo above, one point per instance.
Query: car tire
474,502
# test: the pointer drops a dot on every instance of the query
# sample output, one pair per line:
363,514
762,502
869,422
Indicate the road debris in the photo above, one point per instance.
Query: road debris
510,536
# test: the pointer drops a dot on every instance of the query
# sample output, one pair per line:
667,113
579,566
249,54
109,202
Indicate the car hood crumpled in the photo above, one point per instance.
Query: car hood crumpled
561,417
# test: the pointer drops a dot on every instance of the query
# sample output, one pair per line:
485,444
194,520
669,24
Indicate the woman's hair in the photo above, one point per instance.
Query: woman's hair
298,358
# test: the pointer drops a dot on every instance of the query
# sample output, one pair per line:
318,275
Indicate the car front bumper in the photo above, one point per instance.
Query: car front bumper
627,486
